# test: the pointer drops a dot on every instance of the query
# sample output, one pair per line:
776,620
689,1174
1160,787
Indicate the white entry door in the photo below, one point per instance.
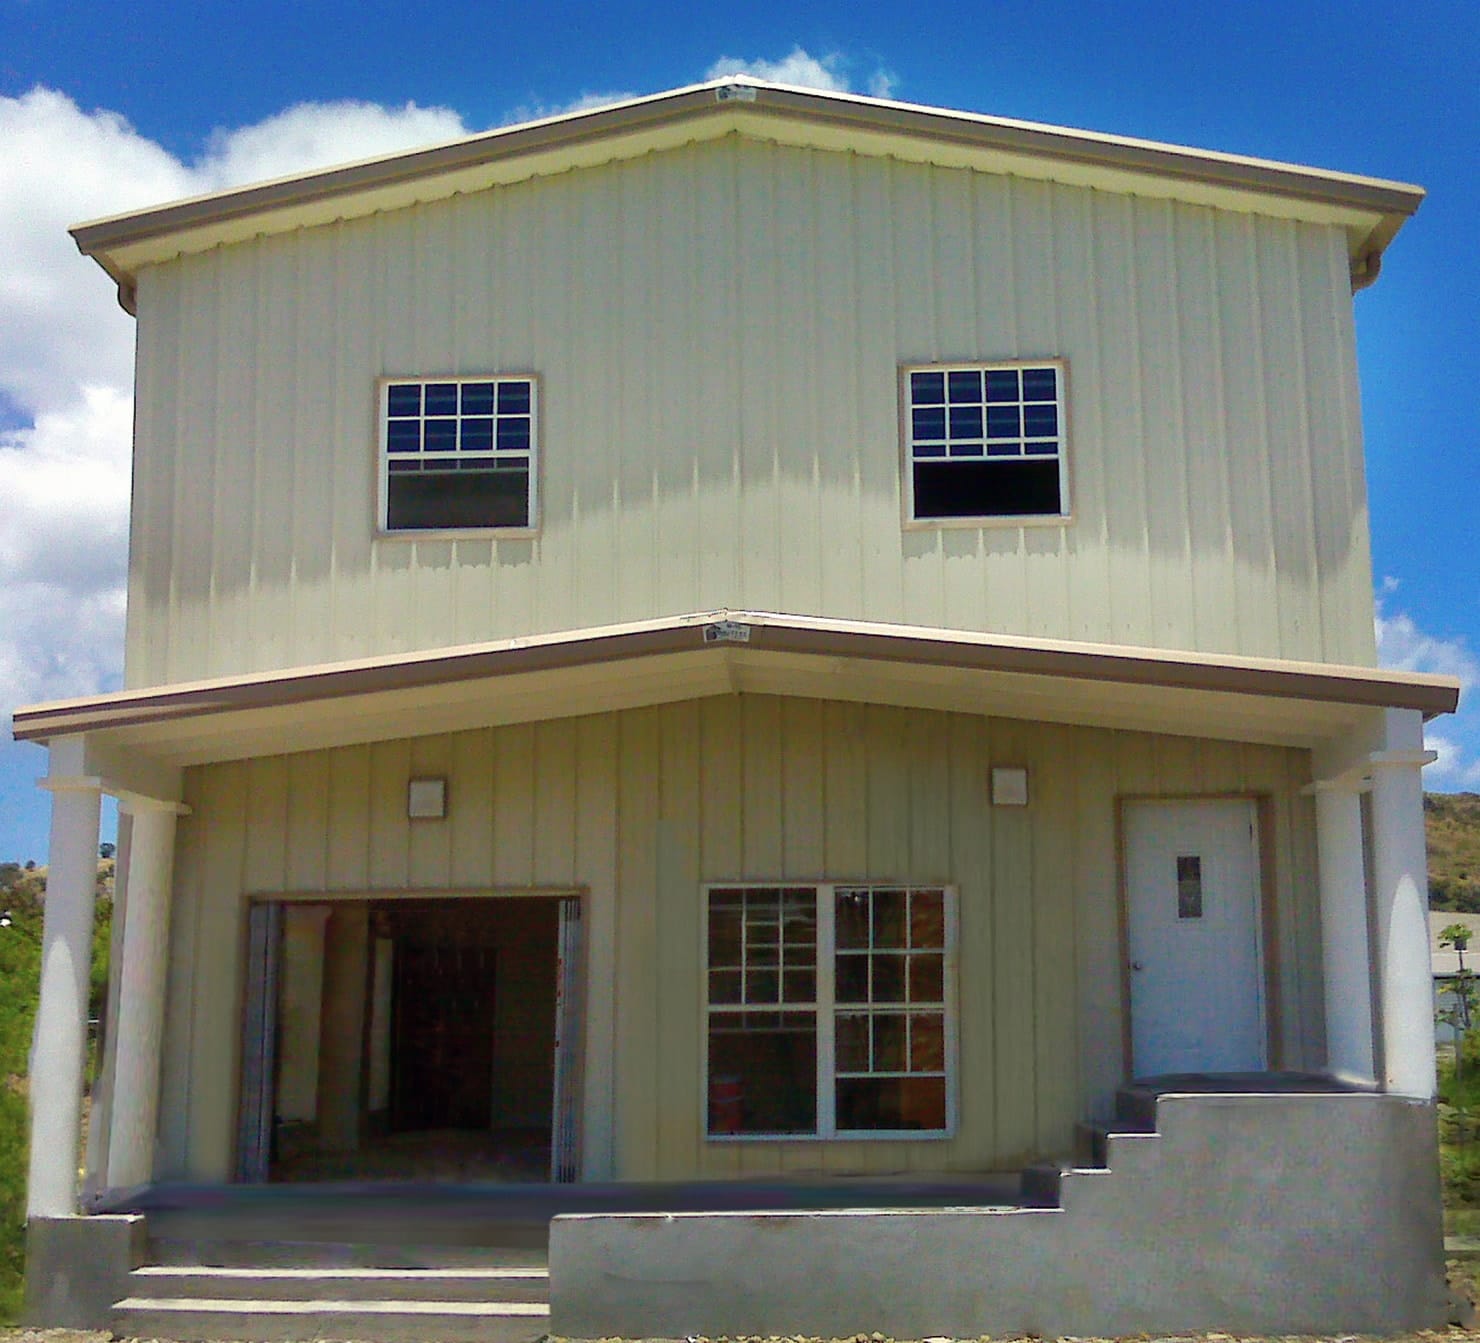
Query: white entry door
1196,963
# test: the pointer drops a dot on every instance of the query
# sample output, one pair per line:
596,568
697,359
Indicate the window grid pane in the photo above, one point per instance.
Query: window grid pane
483,427
887,1065
986,441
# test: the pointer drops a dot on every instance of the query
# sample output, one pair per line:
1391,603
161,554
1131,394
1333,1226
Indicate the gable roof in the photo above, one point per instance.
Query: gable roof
719,652
1368,209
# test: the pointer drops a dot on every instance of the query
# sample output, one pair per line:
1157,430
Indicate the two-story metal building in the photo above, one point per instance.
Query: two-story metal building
763,639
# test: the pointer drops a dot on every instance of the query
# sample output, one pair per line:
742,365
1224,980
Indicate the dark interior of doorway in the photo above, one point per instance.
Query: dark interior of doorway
456,1044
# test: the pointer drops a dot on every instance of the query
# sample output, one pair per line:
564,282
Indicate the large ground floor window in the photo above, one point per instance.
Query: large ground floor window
831,1010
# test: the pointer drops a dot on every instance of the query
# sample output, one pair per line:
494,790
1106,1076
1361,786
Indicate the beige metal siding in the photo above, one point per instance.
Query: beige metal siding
717,330
638,809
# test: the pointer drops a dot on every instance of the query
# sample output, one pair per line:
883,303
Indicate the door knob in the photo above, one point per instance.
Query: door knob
1137,965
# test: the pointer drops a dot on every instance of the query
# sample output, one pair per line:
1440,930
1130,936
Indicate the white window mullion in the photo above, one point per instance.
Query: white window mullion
826,1049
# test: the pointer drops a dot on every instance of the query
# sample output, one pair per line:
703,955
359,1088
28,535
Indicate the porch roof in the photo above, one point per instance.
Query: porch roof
719,652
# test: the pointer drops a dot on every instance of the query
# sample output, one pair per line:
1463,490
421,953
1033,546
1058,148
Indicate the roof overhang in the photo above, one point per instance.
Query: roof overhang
1368,209
724,652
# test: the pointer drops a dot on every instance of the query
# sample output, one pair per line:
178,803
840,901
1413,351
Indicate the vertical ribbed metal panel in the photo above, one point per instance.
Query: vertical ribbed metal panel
717,331
638,809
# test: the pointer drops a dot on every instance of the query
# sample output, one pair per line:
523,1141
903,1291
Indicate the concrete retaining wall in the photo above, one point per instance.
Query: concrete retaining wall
77,1267
1270,1214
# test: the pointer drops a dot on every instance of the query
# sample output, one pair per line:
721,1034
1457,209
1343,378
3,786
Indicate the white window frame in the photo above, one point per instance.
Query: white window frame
826,1010
383,456
908,457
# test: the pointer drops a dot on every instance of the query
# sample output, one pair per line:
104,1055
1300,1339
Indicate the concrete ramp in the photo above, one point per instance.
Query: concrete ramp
1250,1214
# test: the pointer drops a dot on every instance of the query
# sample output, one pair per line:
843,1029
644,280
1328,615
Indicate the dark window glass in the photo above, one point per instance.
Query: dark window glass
477,435
798,986
850,1036
929,421
852,919
724,986
477,398
513,398
1046,449
889,918
865,1103
1004,422
966,421
1040,384
852,978
927,979
927,1043
404,398
441,398
965,385
937,450
436,499
1041,421
889,1042
762,986
927,389
403,436
441,435
762,1076
888,978
1002,384
927,919
724,936
986,489
513,435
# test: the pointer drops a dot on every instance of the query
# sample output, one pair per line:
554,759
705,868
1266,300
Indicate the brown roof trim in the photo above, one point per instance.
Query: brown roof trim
1393,200
765,632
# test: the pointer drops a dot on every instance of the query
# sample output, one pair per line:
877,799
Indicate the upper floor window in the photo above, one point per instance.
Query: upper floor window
985,441
458,453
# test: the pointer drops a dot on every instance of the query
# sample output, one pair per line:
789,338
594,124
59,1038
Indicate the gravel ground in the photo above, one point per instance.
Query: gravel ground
1452,1335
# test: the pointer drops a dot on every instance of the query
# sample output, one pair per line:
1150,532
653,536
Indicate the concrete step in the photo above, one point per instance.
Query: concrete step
196,1282
272,1321
1135,1110
1040,1185
276,1252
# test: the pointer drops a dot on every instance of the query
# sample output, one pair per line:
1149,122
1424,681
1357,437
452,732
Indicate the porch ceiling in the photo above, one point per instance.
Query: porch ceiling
714,653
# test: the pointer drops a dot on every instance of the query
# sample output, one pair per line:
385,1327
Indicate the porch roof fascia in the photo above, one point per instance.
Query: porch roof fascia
1370,209
818,642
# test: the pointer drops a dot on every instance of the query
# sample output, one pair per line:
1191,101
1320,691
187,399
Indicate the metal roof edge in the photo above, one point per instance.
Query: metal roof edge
764,632
1392,200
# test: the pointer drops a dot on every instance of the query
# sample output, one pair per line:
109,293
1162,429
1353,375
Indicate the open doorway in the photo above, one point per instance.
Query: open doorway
422,1039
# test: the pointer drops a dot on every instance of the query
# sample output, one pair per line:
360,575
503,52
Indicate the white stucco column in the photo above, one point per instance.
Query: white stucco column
1346,961
60,1051
139,1026
1400,884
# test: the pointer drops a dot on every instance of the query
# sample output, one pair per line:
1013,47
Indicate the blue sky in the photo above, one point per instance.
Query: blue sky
106,108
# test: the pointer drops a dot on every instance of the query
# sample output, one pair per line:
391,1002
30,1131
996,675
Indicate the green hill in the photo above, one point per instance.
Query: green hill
1452,826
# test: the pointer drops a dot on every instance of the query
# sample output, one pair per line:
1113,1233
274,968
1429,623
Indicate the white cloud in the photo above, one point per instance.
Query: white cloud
799,67
587,102
1401,644
312,135
66,353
